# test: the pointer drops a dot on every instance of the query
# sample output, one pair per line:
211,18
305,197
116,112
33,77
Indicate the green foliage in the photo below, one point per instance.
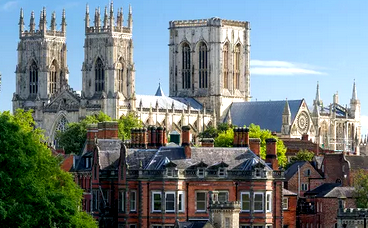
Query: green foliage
303,155
210,132
126,123
74,137
361,188
255,131
35,192
225,139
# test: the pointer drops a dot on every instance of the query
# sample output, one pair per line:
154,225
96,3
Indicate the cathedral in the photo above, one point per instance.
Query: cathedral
209,61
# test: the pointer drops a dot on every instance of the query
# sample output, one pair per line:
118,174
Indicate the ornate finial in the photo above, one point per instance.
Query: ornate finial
21,13
53,21
130,9
105,18
21,22
112,7
87,8
32,24
354,96
63,22
87,18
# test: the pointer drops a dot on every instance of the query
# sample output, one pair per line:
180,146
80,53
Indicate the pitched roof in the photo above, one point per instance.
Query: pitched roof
286,192
159,91
236,158
293,169
165,102
108,153
358,162
322,190
267,114
295,145
337,192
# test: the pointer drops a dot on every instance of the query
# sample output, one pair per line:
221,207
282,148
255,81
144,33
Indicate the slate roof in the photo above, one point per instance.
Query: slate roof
286,192
337,192
235,158
166,102
293,169
267,114
137,156
358,162
108,153
295,145
318,161
322,190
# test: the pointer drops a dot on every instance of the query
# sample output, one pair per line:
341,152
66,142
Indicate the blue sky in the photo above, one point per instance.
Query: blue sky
294,44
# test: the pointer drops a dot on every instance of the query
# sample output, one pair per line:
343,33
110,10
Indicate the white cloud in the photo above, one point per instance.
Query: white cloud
364,124
261,67
9,5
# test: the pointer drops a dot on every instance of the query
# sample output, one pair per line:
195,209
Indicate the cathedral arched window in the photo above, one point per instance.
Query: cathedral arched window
203,66
186,66
61,126
120,77
33,79
52,79
237,66
99,76
225,53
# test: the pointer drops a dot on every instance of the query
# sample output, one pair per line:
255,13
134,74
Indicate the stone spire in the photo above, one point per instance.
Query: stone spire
112,22
43,23
97,19
63,22
32,24
229,120
130,18
105,19
21,22
354,96
86,19
53,21
317,102
286,119
159,91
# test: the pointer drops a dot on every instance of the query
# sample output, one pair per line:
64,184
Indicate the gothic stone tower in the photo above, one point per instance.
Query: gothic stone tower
108,68
209,61
42,69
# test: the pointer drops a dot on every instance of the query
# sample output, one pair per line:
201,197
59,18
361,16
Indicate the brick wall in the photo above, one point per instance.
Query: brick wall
336,169
290,213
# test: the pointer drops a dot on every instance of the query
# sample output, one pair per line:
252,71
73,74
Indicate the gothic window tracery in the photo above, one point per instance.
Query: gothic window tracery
33,79
236,66
225,53
52,79
186,66
120,76
62,124
203,83
99,76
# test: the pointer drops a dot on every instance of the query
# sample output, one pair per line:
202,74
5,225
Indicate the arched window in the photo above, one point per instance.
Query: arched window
202,66
52,79
99,76
61,126
225,53
33,79
186,66
236,66
120,71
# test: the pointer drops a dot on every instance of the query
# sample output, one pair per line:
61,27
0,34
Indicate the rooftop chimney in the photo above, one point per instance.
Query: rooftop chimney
271,153
255,145
108,130
91,135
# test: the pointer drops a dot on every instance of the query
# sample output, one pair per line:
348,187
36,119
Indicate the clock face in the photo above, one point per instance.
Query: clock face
303,122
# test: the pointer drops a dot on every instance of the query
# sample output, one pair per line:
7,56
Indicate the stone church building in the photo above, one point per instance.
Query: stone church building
209,73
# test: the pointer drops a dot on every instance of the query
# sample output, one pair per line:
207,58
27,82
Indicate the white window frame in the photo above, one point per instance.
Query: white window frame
304,186
170,172
241,199
222,172
245,226
122,201
133,201
181,196
201,172
153,201
132,225
258,226
254,201
268,201
205,201
174,201
88,162
285,201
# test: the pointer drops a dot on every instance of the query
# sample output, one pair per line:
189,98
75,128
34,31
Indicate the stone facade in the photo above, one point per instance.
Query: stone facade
209,61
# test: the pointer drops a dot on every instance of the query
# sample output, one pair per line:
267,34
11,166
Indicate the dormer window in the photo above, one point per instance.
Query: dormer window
200,172
222,172
169,172
87,162
258,173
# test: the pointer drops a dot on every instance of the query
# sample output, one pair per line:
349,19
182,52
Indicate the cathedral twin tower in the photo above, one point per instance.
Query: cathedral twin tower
209,69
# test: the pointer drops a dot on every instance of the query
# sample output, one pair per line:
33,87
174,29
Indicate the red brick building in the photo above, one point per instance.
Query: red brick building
289,205
156,188
301,177
321,205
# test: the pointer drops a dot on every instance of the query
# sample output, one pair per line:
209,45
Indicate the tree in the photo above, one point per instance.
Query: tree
225,139
303,155
210,132
126,123
35,192
74,137
361,188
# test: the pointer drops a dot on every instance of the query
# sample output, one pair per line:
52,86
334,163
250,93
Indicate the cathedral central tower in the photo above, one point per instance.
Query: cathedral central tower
209,61
108,67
